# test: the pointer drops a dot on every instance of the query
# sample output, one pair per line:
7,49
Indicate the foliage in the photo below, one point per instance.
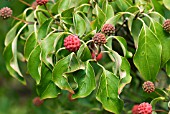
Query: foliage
139,47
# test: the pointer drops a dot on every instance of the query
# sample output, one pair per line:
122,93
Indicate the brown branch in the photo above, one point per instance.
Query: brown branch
27,22
25,3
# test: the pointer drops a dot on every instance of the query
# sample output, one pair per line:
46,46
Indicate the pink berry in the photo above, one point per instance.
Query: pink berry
37,101
148,87
108,29
72,43
135,109
41,2
144,108
6,12
99,39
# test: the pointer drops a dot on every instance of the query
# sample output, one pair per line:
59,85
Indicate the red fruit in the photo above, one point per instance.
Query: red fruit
72,43
148,87
135,109
41,2
144,108
37,101
166,25
70,97
34,5
99,56
108,29
5,12
99,39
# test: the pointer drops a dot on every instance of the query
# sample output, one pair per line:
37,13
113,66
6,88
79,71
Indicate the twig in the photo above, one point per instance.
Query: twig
27,22
25,3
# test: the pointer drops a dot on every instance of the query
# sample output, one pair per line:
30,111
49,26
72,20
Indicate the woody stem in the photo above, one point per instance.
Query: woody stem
16,18
25,3
160,111
53,17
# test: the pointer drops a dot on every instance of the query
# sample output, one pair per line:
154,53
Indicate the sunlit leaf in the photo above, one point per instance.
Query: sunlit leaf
34,64
148,55
67,64
107,92
85,79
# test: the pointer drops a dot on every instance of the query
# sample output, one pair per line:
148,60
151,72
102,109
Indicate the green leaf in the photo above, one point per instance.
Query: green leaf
11,57
41,17
124,73
84,53
135,30
44,29
80,25
85,80
100,19
47,88
54,8
122,4
11,34
68,12
107,9
154,101
65,65
82,2
147,58
166,4
63,5
168,68
87,21
49,48
34,64
164,38
123,44
113,20
157,17
158,7
67,16
8,55
116,58
30,44
107,92
110,12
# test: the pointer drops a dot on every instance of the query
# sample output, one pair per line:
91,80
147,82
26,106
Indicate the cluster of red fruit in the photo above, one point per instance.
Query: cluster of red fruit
72,42
7,12
144,108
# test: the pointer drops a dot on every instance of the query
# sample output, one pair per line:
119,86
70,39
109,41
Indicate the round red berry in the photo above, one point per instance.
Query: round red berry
99,39
72,43
108,29
144,108
99,56
41,2
37,101
166,25
135,109
5,12
34,5
70,97
148,87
